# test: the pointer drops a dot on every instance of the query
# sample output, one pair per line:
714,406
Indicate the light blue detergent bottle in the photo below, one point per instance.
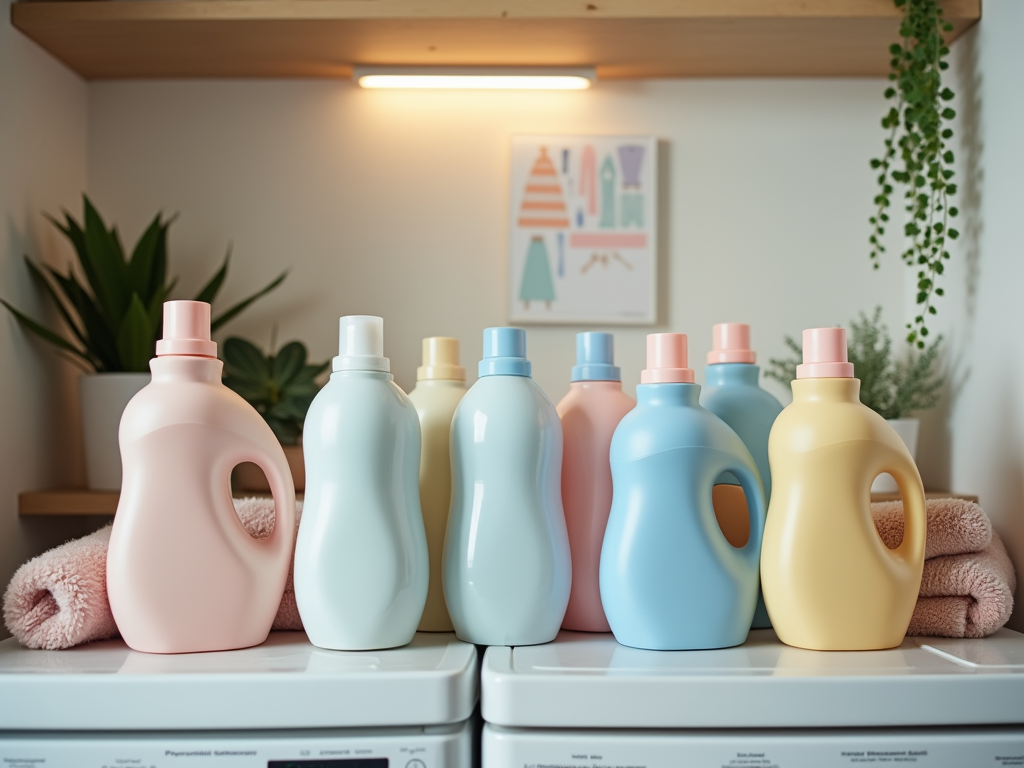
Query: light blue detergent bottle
669,578
732,394
361,568
506,552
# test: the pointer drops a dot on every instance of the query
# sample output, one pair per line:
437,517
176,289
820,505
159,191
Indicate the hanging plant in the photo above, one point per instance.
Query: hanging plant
918,135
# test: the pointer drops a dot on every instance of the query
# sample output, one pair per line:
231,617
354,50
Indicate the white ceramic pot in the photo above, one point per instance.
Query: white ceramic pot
103,397
907,429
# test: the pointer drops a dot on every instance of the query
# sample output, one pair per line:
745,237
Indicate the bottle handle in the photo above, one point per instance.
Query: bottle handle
915,525
750,482
282,489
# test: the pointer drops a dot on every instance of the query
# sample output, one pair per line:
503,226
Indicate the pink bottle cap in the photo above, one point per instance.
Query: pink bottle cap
731,344
666,360
825,355
186,330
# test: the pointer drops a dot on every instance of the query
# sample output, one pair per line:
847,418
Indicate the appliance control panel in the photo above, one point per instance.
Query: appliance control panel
427,747
808,748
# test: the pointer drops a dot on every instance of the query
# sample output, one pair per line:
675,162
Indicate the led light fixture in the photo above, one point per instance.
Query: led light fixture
492,78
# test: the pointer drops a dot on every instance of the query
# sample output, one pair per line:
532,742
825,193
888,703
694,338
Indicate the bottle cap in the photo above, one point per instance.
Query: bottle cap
595,358
825,355
440,360
361,344
186,330
666,360
731,344
504,353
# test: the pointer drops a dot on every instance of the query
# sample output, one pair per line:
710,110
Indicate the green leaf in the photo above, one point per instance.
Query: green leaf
288,362
102,344
244,359
107,272
242,305
210,290
40,275
46,334
140,267
136,341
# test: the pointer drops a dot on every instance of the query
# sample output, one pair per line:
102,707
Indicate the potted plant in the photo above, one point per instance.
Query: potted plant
892,388
281,387
114,315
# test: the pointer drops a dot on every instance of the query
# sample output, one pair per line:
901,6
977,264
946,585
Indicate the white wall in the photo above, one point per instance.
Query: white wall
975,442
395,203
43,133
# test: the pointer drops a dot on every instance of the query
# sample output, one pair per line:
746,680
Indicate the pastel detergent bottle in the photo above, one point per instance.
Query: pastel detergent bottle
440,385
361,555
669,578
589,413
507,569
183,575
732,394
829,582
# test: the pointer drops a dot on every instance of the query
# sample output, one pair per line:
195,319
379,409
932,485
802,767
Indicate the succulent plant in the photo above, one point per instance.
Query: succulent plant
280,386
116,316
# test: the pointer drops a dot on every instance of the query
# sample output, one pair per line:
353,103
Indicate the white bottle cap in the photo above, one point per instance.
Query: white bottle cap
361,344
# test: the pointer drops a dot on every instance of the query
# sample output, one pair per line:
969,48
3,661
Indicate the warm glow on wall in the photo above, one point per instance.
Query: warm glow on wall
488,78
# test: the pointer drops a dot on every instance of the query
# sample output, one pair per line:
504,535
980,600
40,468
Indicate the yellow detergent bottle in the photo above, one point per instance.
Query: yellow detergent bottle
829,582
440,385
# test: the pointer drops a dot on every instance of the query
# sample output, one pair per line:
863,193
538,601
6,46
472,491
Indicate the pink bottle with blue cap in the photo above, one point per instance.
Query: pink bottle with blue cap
183,575
589,413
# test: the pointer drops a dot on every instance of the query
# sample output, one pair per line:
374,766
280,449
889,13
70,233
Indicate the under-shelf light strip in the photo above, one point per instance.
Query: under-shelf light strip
461,78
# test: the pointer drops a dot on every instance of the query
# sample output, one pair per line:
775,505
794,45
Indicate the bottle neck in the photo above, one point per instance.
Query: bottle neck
186,368
826,390
595,386
673,394
719,374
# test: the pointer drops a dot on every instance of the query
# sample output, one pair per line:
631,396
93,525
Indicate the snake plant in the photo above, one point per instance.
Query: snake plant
115,315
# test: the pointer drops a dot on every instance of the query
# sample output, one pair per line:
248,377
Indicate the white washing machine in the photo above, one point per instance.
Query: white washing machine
283,703
584,701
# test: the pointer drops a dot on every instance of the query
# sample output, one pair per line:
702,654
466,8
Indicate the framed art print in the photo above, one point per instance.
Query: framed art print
583,246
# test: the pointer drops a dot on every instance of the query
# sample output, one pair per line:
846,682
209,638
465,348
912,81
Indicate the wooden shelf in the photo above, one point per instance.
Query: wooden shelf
82,502
325,38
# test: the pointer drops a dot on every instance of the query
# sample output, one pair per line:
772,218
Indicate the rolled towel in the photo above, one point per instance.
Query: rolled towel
59,599
968,595
954,526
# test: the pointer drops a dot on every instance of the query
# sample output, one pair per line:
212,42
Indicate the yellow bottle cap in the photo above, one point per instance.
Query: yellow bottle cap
440,360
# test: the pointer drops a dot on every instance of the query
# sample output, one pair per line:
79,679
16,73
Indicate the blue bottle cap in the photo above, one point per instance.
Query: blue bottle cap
595,355
504,353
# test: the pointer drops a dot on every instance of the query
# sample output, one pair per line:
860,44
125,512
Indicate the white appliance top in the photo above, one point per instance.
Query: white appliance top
284,683
586,680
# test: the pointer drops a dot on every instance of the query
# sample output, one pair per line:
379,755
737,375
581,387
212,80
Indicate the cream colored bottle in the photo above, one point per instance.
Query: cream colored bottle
829,582
440,385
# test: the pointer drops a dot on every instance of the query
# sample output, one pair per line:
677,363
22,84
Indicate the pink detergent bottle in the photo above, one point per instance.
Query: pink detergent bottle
589,413
183,575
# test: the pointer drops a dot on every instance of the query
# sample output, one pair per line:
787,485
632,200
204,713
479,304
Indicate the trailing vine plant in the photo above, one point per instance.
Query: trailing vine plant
917,134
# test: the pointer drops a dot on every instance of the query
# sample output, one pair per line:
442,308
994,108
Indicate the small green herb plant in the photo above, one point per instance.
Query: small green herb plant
891,388
280,386
917,133
116,316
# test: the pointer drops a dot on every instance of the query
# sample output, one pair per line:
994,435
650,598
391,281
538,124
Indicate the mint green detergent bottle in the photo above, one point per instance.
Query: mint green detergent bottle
731,392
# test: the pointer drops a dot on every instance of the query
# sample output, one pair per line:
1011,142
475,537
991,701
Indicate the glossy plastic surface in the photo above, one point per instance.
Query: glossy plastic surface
731,393
589,413
435,401
669,578
183,575
361,557
506,561
829,582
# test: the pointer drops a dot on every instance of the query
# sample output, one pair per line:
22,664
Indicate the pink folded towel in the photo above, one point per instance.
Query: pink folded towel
968,582
59,599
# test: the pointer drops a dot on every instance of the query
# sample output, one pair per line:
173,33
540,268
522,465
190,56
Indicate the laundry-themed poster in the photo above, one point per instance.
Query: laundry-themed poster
583,224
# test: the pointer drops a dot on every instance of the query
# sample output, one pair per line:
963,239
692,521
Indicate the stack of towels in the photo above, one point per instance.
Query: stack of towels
59,599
